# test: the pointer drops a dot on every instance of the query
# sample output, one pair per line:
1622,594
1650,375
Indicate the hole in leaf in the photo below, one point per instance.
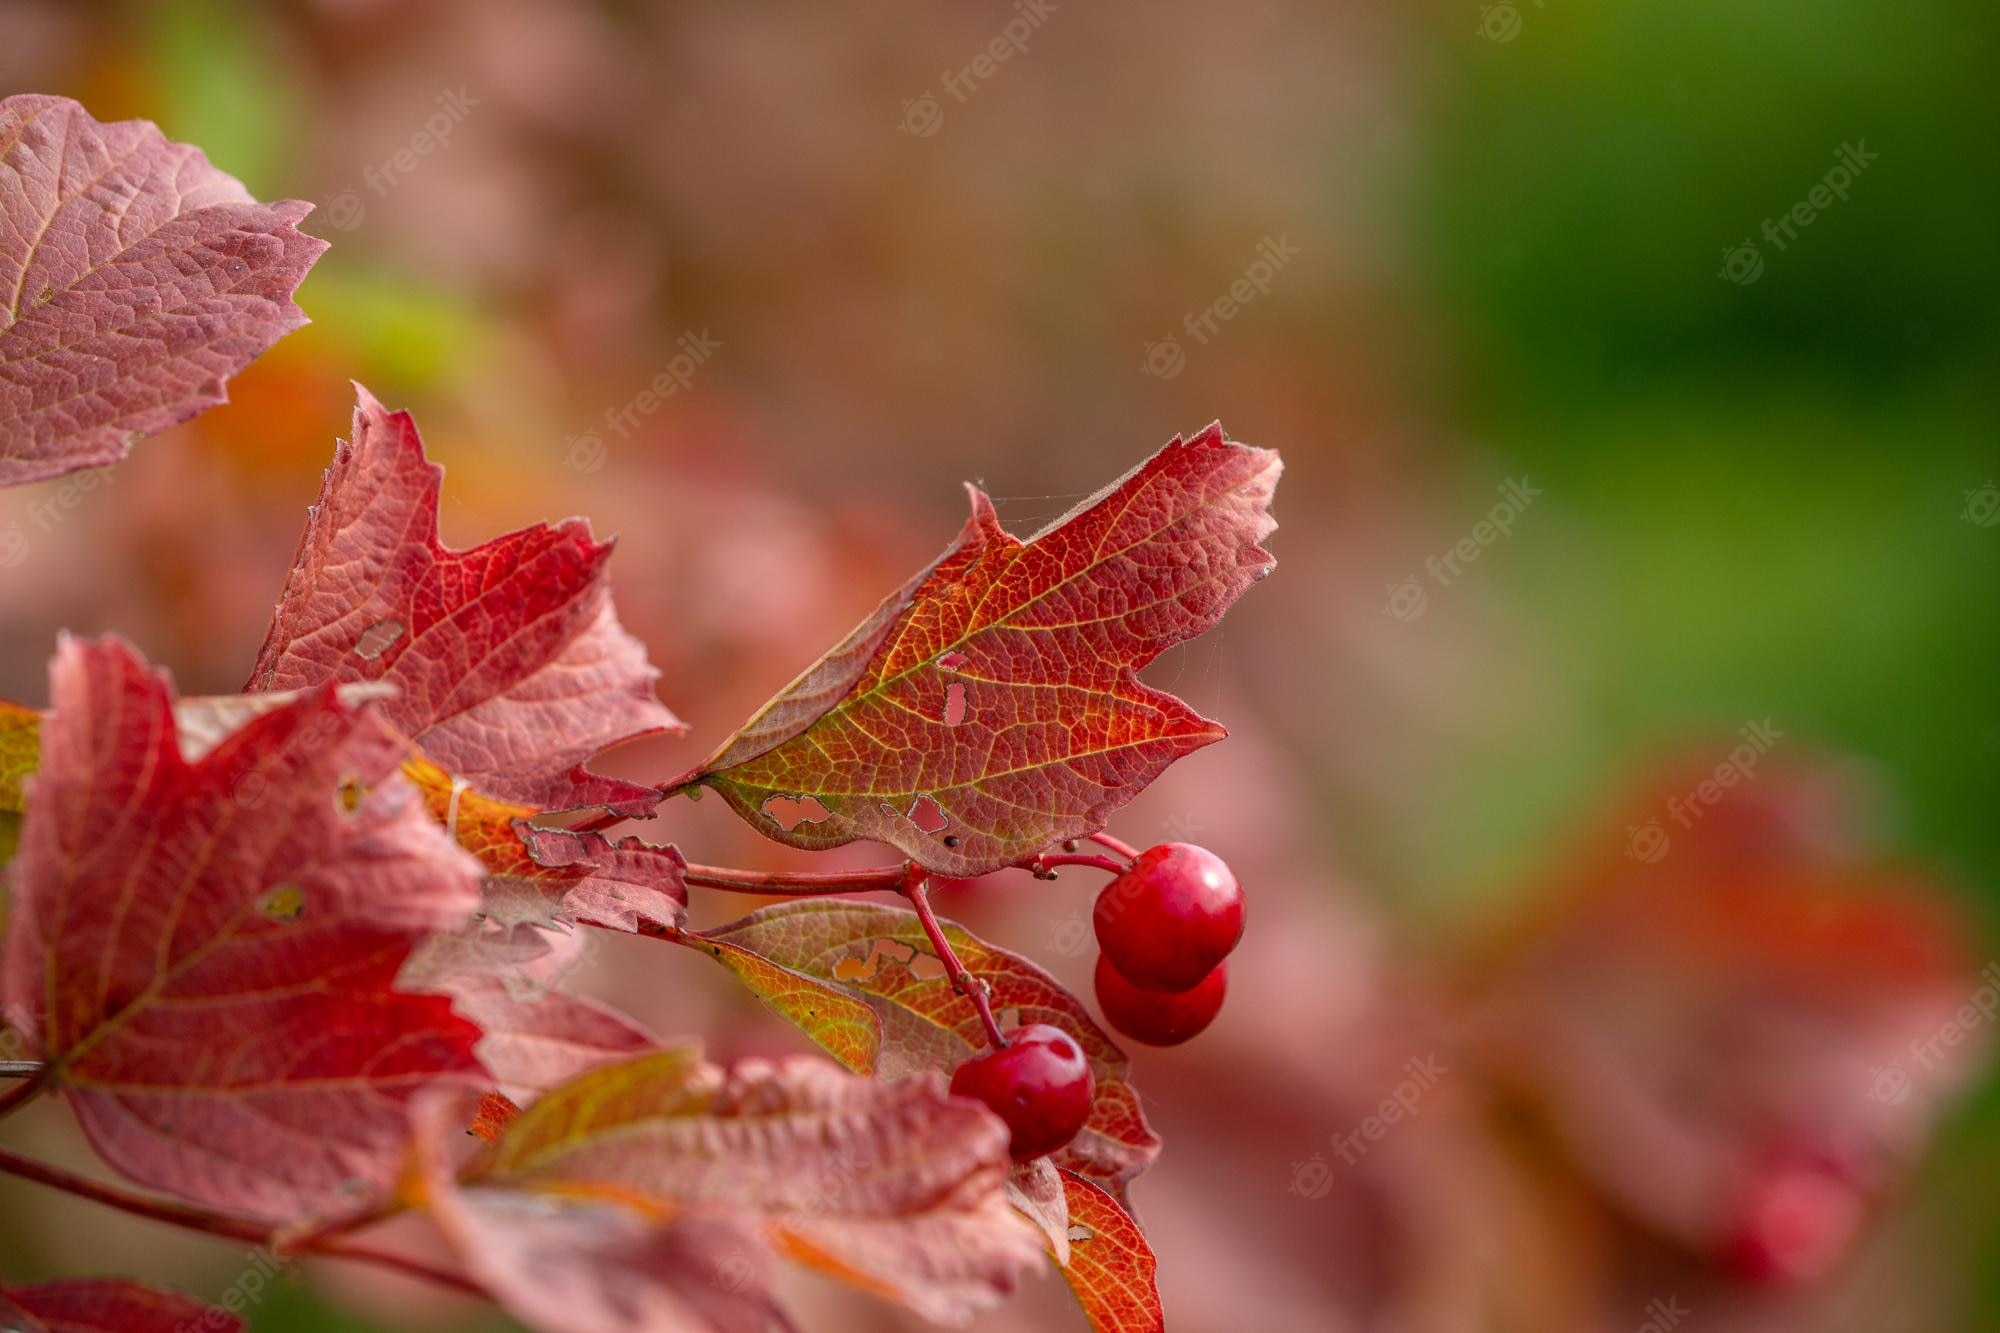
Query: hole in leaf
1079,1232
954,704
287,902
928,815
788,812
926,967
952,661
864,968
378,638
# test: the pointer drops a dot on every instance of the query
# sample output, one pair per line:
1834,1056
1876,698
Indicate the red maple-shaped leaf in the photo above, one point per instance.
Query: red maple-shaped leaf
108,1305
992,706
897,1188
134,279
510,667
815,961
203,950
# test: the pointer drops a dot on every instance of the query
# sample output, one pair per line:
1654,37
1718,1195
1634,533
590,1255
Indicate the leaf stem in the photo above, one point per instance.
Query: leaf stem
915,887
1118,845
1044,866
219,1224
20,1068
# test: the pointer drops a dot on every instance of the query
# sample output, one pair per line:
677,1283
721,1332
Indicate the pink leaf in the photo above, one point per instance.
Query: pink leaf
897,1188
537,1039
108,1305
134,279
510,666
203,950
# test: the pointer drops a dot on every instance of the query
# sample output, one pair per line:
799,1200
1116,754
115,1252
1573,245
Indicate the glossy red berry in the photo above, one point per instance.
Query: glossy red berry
1166,922
1039,1083
1156,1017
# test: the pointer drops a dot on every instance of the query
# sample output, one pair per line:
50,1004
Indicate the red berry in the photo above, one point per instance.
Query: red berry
1792,1222
1166,922
1154,1017
1039,1083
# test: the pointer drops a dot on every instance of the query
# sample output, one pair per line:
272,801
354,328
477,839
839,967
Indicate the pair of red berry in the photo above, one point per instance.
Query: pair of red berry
1164,928
1164,925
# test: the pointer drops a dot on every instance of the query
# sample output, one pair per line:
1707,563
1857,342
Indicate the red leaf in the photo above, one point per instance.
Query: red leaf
992,706
134,279
896,1188
881,956
1111,1267
510,666
538,1039
203,950
109,1305
584,876
1724,1019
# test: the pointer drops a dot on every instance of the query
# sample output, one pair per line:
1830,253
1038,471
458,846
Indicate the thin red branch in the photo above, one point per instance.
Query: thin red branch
798,884
1044,866
23,1092
218,1224
915,888
1118,845
159,1210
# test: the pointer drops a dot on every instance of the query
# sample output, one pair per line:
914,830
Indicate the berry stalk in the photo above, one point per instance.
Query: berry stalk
915,888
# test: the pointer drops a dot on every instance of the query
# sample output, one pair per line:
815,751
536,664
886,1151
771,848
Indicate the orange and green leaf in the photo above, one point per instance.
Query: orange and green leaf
880,956
1111,1267
992,706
